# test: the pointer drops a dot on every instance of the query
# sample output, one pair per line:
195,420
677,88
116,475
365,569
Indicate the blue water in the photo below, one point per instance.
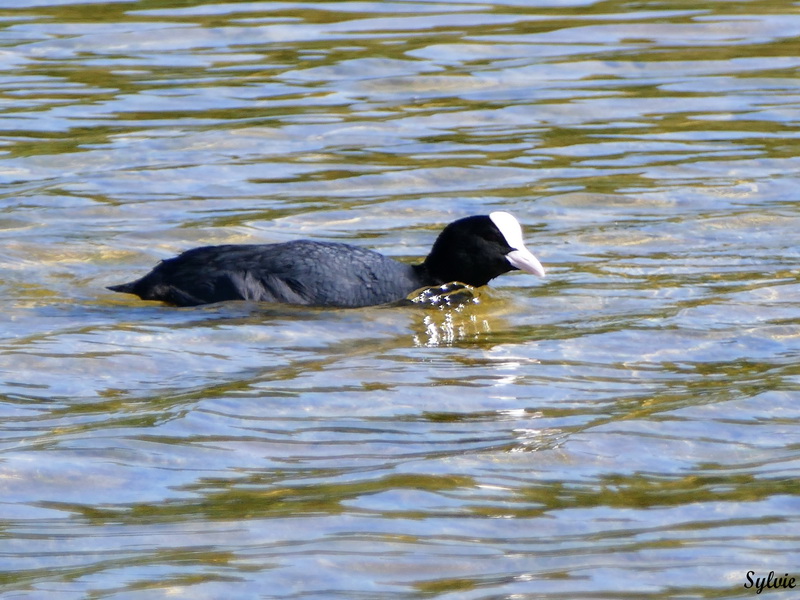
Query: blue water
627,427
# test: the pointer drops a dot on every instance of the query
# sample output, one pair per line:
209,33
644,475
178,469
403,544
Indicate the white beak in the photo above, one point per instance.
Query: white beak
520,257
525,261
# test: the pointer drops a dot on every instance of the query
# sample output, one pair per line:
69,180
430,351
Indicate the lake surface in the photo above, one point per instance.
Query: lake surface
628,427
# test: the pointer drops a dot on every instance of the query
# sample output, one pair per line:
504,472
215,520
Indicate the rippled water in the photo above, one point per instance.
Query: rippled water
628,427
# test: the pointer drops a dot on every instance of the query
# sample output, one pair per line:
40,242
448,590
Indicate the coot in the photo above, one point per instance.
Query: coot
472,250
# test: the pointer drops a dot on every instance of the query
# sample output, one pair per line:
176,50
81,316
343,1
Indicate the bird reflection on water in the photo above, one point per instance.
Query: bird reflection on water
454,321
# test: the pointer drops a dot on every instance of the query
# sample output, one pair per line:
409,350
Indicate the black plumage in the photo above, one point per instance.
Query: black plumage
473,250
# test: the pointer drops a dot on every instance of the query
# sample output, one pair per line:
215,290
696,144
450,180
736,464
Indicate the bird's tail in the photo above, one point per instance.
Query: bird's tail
124,288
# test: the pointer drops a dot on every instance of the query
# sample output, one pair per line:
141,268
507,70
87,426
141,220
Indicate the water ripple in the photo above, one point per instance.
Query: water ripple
625,427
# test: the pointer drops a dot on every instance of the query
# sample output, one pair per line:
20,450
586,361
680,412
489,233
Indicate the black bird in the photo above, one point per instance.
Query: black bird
472,250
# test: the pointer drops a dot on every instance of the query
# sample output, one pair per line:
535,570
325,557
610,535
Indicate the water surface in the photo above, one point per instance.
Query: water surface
627,427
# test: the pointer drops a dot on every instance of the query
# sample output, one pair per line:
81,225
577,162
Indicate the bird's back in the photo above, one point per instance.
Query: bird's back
299,272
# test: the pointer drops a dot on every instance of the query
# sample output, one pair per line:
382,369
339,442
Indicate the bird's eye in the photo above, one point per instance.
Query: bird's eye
498,238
